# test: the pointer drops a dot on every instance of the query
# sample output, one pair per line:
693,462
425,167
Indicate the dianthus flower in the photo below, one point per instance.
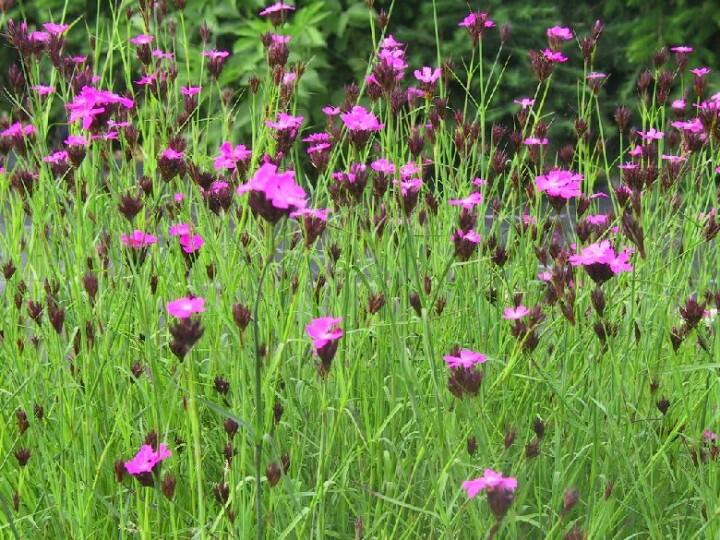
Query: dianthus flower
601,262
325,333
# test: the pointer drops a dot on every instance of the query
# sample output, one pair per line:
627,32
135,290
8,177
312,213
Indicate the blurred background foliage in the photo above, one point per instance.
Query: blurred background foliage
332,38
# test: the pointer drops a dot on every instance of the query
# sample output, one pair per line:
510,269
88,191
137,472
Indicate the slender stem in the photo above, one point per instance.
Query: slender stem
259,416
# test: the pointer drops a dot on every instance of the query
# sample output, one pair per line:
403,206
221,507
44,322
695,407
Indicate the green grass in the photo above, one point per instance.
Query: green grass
378,447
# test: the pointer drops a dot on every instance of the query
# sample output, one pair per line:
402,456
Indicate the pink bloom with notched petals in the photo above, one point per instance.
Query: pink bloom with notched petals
710,435
559,183
383,166
516,312
214,54
56,157
285,122
190,90
428,75
477,19
465,358
682,49
559,33
324,330
142,39
190,243
360,119
278,7
181,229
185,307
555,57
138,239
331,111
39,37
230,156
701,72
159,53
55,29
536,141
601,261
489,481
43,90
469,202
146,459
524,103
678,105
651,135
274,193
76,140
172,154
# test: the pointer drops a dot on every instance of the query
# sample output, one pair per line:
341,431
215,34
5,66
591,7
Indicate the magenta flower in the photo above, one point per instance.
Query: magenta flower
515,313
678,105
43,90
536,141
325,333
191,243
57,157
601,262
383,166
285,122
190,90
138,239
525,103
185,307
391,43
92,106
682,49
465,358
651,135
274,194
469,202
598,219
18,131
142,39
554,57
360,124
214,54
489,481
39,37
427,75
146,459
181,229
232,157
331,111
324,330
559,33
277,12
476,23
710,436
701,72
55,29
559,185
466,242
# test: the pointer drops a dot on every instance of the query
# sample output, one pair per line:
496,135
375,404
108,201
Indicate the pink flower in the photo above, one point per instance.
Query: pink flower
138,239
91,102
678,104
560,184
146,459
408,170
383,166
710,435
190,243
55,29
181,229
597,219
479,182
651,135
142,39
274,194
158,53
314,213
76,140
489,481
324,330
595,76
536,141
19,130
172,154
39,37
466,358
278,7
469,202
555,57
57,157
390,43
411,186
43,90
185,307
428,75
701,72
682,49
559,33
179,197
359,119
674,159
525,103
515,313
190,90
230,156
691,126
285,122
477,19
214,54
331,111
601,262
